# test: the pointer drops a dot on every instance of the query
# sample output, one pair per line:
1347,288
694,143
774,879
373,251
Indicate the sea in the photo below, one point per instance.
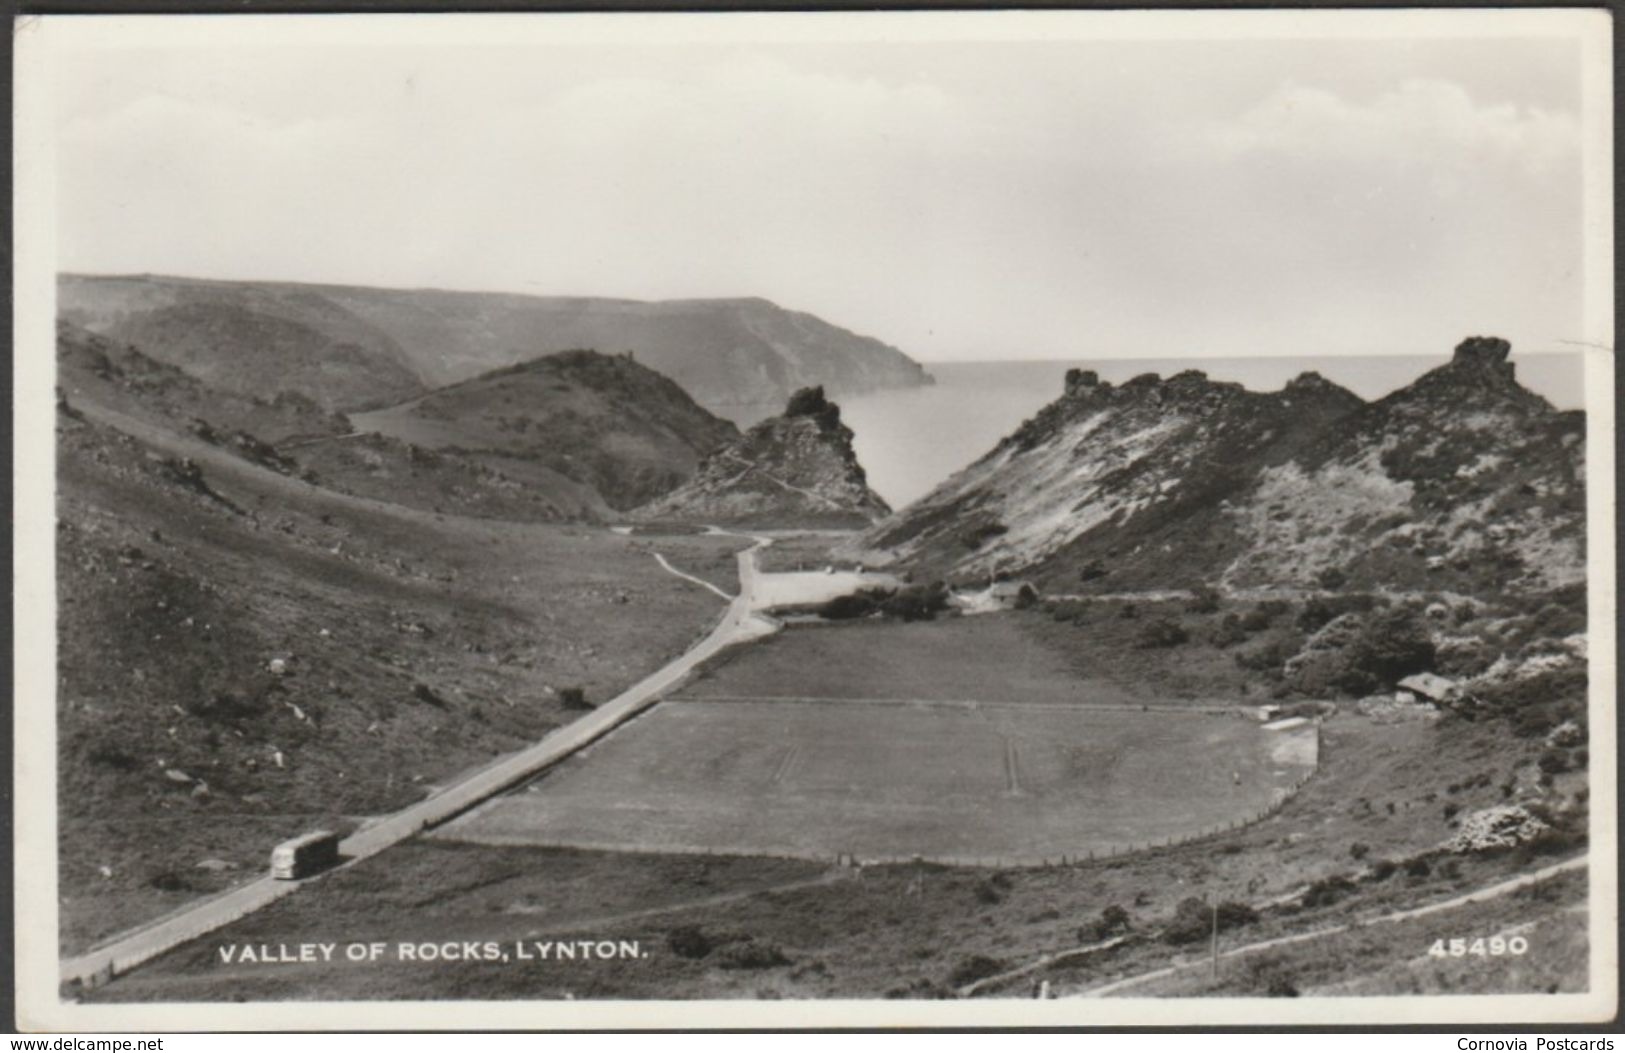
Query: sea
911,439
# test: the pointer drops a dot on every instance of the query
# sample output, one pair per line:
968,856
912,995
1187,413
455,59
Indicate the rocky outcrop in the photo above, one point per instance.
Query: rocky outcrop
796,469
1462,481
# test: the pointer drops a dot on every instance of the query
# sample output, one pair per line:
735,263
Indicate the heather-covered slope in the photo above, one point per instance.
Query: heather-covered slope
794,469
238,348
733,355
603,421
294,436
1462,480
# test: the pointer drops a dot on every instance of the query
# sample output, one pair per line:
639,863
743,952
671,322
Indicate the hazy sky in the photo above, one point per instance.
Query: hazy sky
1036,199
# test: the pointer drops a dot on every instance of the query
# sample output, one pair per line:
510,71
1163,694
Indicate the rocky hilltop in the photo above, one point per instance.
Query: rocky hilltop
794,469
606,422
325,341
1462,480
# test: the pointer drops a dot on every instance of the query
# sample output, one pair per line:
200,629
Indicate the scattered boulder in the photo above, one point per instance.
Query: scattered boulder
1503,826
1565,735
1431,686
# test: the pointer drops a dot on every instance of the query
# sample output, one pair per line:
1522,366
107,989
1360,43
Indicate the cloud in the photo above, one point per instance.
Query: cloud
1036,200
1420,122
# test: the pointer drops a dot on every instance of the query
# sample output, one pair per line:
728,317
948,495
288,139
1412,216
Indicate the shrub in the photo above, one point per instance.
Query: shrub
1093,571
750,954
1280,986
1267,659
1331,578
1359,850
1394,645
425,693
1554,762
1204,600
1128,610
987,893
689,941
974,537
1233,915
1263,614
974,968
1228,632
1418,868
1112,921
1270,974
858,604
1193,920
916,603
1383,869
1370,655
1321,609
574,698
1327,891
1160,632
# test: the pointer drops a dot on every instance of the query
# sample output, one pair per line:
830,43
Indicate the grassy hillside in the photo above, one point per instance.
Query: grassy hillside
740,358
239,349
605,422
292,435
244,656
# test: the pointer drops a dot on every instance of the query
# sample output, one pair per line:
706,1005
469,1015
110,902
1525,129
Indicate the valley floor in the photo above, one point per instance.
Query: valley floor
1363,835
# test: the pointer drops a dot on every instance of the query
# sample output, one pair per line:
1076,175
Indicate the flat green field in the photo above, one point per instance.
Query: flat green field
878,780
989,658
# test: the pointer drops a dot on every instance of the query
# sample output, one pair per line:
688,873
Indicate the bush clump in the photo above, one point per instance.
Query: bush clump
1205,599
574,698
1263,614
1228,632
973,968
858,604
1160,632
1113,921
1360,656
750,953
975,537
1094,570
690,941
1194,919
916,603
1327,891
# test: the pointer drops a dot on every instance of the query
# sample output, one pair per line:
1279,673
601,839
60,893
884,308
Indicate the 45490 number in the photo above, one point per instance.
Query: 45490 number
1482,947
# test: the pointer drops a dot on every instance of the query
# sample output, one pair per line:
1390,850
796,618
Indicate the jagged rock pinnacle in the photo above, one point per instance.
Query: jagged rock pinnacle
1482,351
1080,379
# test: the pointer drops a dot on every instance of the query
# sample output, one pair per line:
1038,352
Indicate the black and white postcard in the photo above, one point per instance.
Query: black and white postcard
815,519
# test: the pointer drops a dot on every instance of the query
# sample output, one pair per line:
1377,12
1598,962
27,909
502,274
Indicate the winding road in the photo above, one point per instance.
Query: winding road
739,623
